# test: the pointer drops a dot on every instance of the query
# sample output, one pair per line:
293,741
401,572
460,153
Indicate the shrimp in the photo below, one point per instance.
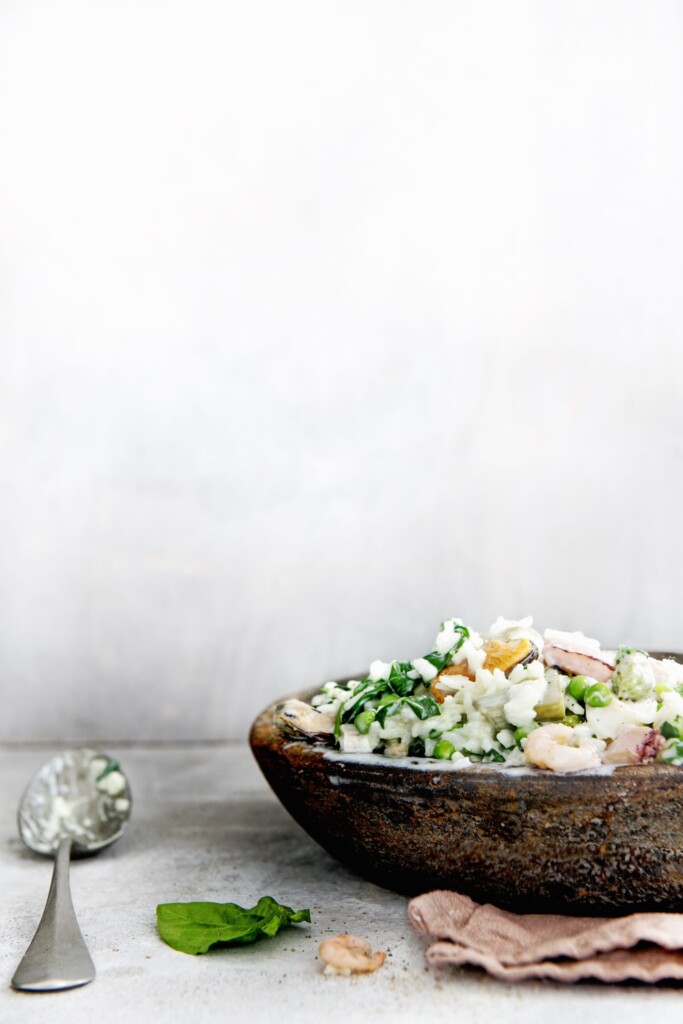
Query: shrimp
548,747
347,954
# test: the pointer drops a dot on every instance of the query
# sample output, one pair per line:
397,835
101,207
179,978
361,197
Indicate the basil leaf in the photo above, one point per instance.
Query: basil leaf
437,660
440,661
493,755
424,707
360,698
338,722
399,681
388,711
464,634
197,927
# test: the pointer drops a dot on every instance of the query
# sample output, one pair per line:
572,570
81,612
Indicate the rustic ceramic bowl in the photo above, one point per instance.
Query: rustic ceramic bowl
526,839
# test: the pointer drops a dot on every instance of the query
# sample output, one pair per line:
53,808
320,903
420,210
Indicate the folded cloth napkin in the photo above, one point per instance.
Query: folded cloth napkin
642,947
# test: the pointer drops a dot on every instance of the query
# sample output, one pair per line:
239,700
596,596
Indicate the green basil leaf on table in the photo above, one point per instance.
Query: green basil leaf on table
197,927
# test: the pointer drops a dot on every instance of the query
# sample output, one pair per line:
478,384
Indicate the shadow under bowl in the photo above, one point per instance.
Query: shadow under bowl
529,840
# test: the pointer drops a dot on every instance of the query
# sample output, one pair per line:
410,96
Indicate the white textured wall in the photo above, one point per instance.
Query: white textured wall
320,322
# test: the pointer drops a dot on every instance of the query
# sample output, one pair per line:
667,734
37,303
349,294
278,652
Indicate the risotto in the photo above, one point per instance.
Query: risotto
510,695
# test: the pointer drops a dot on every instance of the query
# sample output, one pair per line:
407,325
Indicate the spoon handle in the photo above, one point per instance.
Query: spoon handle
57,957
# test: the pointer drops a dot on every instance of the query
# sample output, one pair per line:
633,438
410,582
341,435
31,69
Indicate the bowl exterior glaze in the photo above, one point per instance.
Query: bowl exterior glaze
527,840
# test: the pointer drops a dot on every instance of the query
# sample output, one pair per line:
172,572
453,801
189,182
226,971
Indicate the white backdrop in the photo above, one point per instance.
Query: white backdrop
322,321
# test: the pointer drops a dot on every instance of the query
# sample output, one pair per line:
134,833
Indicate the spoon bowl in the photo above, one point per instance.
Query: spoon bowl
81,795
79,802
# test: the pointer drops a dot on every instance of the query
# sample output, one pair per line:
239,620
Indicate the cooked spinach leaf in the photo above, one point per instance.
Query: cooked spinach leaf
424,707
399,681
388,710
439,661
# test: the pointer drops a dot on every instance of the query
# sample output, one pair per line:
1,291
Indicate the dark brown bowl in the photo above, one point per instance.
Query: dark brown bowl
525,839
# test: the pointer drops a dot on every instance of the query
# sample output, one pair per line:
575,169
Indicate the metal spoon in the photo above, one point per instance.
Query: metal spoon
79,801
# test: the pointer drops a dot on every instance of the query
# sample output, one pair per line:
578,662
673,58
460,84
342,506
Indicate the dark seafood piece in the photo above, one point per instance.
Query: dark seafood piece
508,654
501,654
298,719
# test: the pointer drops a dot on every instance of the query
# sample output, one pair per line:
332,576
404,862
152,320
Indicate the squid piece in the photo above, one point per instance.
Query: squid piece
639,745
578,655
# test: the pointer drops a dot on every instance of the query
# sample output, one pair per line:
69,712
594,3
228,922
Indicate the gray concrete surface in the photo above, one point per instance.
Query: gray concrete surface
205,826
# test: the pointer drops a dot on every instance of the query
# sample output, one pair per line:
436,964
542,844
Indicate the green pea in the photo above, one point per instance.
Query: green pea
443,750
364,721
577,687
572,720
523,731
598,695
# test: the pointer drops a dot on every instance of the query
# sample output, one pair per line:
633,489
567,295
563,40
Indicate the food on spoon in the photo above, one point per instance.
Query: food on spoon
510,696
348,954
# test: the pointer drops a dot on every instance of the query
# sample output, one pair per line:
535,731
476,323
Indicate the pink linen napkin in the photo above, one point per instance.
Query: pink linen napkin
513,947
